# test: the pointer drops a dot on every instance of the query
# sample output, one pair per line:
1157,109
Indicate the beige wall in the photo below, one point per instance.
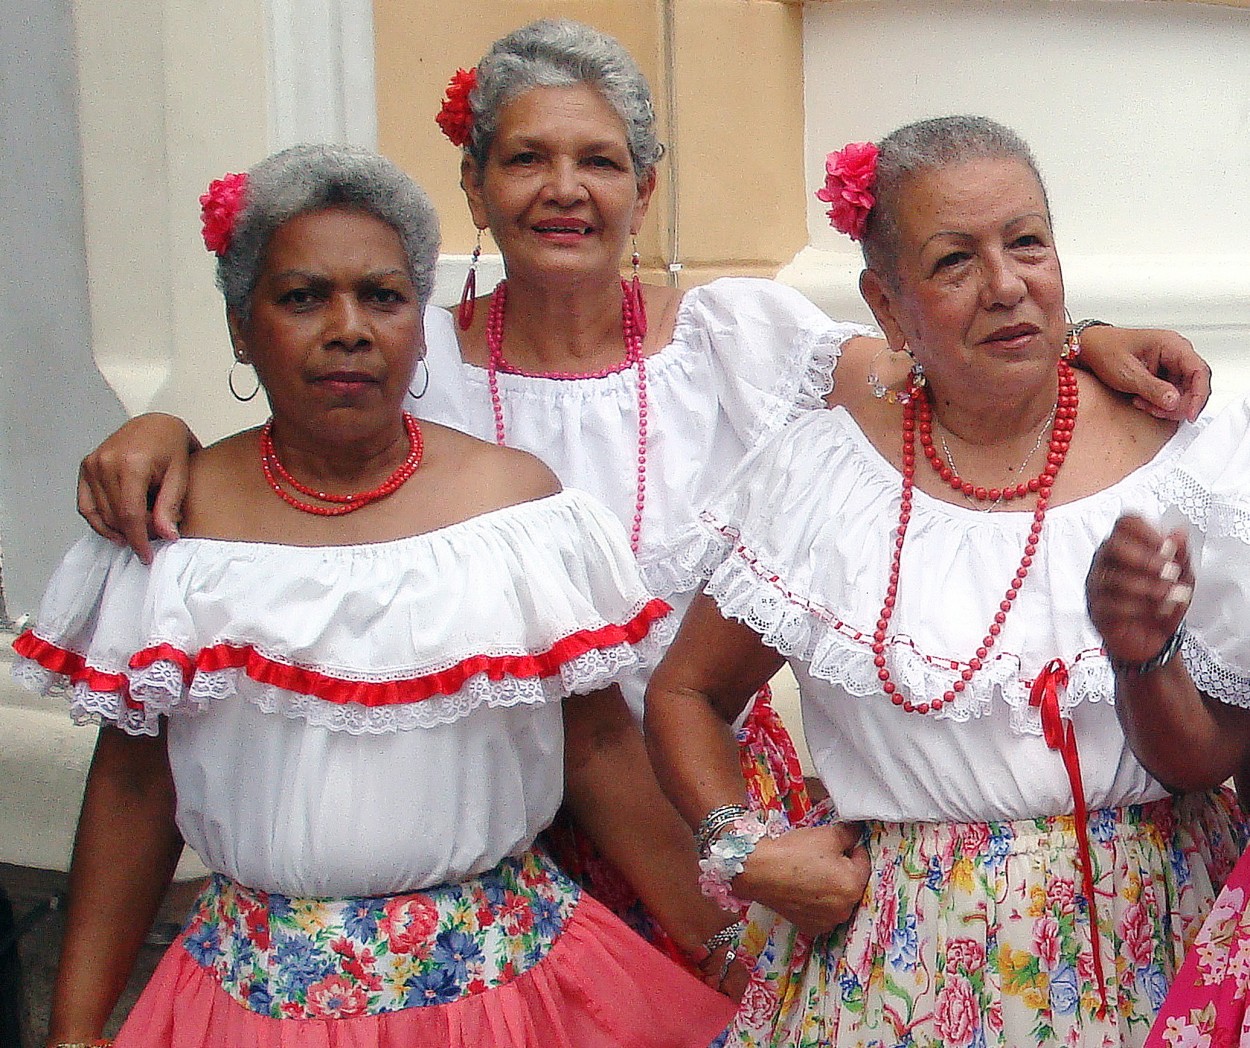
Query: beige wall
737,161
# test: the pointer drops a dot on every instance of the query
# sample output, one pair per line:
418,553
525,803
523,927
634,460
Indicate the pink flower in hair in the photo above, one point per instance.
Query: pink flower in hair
850,175
219,210
456,116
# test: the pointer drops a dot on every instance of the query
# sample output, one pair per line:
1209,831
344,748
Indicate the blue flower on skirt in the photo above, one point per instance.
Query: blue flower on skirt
547,917
933,881
1180,864
492,886
279,906
999,846
259,999
1065,990
204,944
904,947
299,965
1102,825
436,986
1154,983
850,986
360,918
455,951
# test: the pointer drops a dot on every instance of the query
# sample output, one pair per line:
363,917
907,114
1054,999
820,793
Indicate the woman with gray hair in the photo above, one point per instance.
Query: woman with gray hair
347,688
918,555
643,395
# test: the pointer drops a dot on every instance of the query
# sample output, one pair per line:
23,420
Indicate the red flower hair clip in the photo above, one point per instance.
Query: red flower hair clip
850,175
456,116
219,209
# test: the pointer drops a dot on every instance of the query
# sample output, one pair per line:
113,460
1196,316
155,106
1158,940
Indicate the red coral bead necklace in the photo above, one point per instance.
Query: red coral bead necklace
630,324
918,418
273,469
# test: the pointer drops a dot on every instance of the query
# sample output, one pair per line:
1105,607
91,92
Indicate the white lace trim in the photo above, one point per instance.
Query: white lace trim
684,563
1210,514
161,690
1212,675
841,654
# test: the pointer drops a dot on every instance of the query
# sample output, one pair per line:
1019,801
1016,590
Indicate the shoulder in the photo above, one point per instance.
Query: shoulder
480,475
751,296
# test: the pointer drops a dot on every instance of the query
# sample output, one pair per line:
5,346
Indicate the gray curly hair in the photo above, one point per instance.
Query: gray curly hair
311,177
927,144
563,53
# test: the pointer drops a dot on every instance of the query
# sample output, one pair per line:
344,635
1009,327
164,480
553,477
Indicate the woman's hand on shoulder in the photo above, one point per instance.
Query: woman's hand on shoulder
130,488
1161,370
812,876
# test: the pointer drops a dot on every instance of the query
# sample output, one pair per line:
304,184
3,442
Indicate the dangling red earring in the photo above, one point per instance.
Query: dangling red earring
635,290
468,297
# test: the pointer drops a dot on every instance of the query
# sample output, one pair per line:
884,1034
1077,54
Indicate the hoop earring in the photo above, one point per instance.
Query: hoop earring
234,392
635,290
468,297
917,368
425,385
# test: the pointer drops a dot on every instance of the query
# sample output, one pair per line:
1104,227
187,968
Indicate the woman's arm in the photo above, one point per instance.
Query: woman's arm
1159,369
130,488
814,877
1138,591
612,795
125,852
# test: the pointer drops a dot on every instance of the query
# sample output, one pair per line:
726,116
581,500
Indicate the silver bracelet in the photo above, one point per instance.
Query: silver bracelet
1080,326
1165,655
714,822
727,936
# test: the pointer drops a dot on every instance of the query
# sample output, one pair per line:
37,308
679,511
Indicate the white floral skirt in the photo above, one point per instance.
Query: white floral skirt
979,934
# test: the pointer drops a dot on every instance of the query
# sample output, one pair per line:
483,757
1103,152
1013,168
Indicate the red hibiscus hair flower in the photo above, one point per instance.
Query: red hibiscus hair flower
850,175
219,210
456,116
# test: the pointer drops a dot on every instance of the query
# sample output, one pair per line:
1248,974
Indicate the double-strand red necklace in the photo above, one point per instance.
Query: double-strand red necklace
339,504
495,363
918,416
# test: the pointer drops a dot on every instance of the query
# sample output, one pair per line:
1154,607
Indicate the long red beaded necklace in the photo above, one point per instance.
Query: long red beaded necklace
272,467
633,359
918,416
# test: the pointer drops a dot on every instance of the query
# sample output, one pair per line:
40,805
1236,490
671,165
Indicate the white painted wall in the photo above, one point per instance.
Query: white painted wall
1139,114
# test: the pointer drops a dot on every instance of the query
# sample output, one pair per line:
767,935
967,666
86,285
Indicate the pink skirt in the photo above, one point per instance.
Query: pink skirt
512,960
1206,1007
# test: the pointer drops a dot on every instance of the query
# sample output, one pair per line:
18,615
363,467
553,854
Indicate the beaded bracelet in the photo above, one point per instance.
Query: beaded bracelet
1165,655
85,1044
724,857
726,936
1079,328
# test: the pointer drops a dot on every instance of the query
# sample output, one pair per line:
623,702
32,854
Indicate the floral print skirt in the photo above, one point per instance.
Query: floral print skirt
976,935
1207,1006
517,957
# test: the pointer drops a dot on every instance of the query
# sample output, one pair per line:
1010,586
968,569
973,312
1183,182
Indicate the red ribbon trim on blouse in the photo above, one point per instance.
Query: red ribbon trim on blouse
363,693
73,666
1060,735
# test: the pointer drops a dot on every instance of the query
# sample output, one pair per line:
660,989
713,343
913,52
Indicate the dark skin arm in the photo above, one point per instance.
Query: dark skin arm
613,796
814,877
1185,739
125,853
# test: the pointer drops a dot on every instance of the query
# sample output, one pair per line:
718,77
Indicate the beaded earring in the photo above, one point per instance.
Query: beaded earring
635,291
468,297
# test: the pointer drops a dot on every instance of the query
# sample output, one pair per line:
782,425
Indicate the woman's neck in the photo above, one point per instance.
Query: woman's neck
569,328
337,459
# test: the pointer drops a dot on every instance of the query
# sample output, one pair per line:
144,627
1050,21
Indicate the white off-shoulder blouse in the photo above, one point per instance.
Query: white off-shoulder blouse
355,720
799,547
747,357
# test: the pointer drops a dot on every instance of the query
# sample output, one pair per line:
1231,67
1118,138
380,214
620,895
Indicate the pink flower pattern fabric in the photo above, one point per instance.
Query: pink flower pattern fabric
977,935
290,958
850,175
1207,1006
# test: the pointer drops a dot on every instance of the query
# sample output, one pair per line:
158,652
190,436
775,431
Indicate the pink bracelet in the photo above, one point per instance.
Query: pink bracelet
724,856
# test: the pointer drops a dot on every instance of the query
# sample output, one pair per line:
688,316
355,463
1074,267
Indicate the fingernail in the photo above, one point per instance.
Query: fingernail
1168,550
1178,595
1170,572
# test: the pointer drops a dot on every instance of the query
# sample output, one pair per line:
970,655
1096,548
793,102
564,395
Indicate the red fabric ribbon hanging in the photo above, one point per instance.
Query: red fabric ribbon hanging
1061,736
